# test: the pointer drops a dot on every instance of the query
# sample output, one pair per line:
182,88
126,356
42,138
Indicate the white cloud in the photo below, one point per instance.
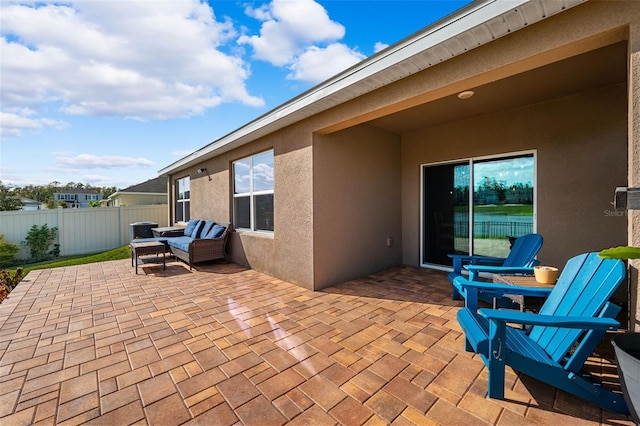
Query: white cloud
317,64
13,124
298,34
97,180
136,59
89,161
10,177
379,46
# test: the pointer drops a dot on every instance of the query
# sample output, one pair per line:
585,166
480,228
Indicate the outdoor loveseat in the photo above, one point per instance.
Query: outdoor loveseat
203,240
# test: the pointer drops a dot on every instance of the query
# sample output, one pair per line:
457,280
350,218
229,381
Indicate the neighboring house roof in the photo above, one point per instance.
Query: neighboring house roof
156,186
475,25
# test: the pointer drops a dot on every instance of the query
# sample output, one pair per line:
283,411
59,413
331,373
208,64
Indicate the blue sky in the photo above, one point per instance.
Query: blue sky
107,92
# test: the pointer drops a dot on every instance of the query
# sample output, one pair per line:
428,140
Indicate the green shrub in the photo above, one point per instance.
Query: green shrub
9,281
8,251
39,240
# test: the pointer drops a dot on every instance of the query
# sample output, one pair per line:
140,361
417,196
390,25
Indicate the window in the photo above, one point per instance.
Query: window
253,192
475,206
183,198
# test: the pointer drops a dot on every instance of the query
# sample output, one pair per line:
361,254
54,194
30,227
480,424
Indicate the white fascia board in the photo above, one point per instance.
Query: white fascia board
464,20
118,193
142,193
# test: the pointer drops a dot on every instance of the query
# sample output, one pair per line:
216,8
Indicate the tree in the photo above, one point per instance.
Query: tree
9,200
490,191
44,193
107,191
39,240
8,251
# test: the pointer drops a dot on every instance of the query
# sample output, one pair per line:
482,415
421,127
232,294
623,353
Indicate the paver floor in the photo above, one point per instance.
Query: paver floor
223,345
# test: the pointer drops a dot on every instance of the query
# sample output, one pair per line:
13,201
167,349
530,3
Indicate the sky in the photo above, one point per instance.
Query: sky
108,92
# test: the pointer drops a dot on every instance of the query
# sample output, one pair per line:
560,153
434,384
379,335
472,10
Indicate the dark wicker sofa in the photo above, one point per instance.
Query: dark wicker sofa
202,241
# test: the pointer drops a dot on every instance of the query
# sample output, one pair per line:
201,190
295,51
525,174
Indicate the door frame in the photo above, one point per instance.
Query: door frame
471,161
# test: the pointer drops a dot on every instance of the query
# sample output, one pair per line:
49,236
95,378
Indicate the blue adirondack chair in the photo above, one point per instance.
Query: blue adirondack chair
577,312
521,259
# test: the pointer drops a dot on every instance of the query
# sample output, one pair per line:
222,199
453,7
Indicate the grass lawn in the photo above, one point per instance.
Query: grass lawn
506,210
115,254
503,210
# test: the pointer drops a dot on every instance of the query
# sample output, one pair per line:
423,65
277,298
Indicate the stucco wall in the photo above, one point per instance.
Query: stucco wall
139,200
357,204
581,144
287,253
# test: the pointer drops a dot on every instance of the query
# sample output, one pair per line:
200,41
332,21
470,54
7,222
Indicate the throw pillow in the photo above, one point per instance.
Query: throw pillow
216,231
188,230
198,229
206,228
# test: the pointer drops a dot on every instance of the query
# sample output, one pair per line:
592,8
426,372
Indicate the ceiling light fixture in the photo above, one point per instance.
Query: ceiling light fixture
466,94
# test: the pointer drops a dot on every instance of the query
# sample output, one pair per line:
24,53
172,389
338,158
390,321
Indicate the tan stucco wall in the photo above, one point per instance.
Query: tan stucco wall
581,144
634,167
357,204
287,253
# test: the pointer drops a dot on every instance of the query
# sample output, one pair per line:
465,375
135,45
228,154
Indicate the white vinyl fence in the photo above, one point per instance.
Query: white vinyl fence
80,231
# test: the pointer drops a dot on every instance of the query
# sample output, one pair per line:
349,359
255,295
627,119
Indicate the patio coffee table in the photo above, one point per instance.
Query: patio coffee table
148,248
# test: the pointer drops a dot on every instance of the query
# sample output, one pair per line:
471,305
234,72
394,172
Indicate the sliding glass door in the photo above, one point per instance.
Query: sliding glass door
502,203
499,208
446,212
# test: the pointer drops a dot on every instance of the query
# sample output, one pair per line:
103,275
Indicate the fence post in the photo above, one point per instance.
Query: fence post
60,226
121,224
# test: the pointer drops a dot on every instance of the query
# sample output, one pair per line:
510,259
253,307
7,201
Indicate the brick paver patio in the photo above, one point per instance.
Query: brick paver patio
223,345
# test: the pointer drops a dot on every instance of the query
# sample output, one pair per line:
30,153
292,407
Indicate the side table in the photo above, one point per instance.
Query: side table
168,231
522,281
148,248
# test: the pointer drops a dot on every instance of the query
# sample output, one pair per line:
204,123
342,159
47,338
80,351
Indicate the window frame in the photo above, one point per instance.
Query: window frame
184,203
251,194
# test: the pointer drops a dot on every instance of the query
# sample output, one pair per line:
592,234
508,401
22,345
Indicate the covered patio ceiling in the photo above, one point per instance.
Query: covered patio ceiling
592,70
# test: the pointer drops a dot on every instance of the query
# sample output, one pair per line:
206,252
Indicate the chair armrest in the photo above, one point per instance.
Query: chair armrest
203,241
587,323
477,259
460,259
507,270
503,288
472,288
474,270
